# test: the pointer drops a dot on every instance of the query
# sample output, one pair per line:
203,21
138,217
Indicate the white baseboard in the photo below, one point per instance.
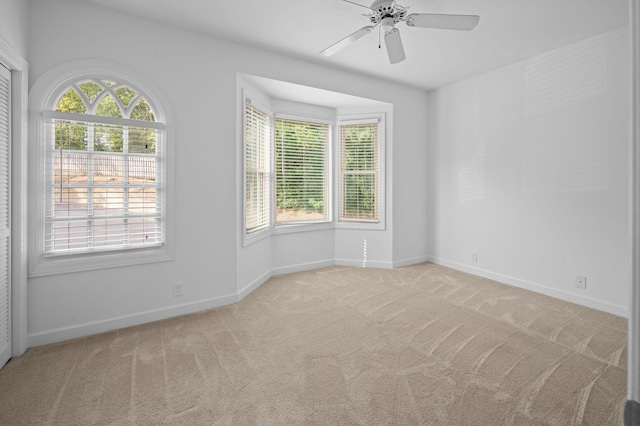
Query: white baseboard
301,267
383,264
369,263
535,287
95,327
253,285
409,262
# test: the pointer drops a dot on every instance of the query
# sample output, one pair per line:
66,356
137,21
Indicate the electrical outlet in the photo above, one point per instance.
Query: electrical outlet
581,282
474,256
178,289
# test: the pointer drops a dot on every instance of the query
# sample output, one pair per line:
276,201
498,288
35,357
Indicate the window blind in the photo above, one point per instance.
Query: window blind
257,154
302,171
359,172
104,186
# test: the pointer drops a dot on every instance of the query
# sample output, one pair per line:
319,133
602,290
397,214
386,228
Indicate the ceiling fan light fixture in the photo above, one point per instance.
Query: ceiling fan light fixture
387,25
393,42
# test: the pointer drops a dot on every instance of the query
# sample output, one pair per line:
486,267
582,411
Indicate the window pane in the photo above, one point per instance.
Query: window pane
257,200
97,193
68,235
125,95
142,200
359,147
108,107
91,90
257,157
142,140
71,102
71,135
144,231
142,169
142,111
359,172
70,202
108,138
108,202
301,171
70,168
107,169
359,194
108,232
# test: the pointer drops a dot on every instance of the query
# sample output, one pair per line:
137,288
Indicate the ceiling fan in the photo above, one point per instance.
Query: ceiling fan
387,13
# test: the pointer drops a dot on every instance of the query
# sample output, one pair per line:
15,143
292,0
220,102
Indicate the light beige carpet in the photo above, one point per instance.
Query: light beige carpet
422,345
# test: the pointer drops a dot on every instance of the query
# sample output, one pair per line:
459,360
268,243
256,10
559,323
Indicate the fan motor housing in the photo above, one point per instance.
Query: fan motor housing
382,9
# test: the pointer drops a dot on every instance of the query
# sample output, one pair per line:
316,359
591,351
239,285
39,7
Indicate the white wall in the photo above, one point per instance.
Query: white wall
410,173
13,25
530,170
197,74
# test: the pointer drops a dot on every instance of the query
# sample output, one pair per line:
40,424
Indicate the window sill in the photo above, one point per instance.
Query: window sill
254,237
292,228
302,227
310,227
373,226
94,261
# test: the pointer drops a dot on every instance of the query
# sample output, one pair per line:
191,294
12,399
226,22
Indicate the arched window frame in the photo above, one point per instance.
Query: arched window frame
44,97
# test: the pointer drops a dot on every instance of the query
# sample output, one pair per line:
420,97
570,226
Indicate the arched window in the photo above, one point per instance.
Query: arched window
102,184
104,189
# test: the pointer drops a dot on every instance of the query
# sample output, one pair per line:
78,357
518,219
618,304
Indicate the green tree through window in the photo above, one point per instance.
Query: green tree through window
301,168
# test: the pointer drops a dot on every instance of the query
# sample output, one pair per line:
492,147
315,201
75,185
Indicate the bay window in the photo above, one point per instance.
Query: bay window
296,169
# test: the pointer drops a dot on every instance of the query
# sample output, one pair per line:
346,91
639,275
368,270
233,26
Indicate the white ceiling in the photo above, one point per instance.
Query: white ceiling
509,30
276,89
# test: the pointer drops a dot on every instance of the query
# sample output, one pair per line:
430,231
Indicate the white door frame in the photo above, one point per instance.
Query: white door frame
19,149
632,412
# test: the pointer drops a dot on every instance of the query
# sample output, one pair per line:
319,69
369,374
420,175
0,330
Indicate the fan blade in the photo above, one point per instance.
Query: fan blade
394,46
346,41
443,22
357,4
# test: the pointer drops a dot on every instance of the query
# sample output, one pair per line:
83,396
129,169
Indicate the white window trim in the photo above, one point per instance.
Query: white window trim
379,225
42,95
